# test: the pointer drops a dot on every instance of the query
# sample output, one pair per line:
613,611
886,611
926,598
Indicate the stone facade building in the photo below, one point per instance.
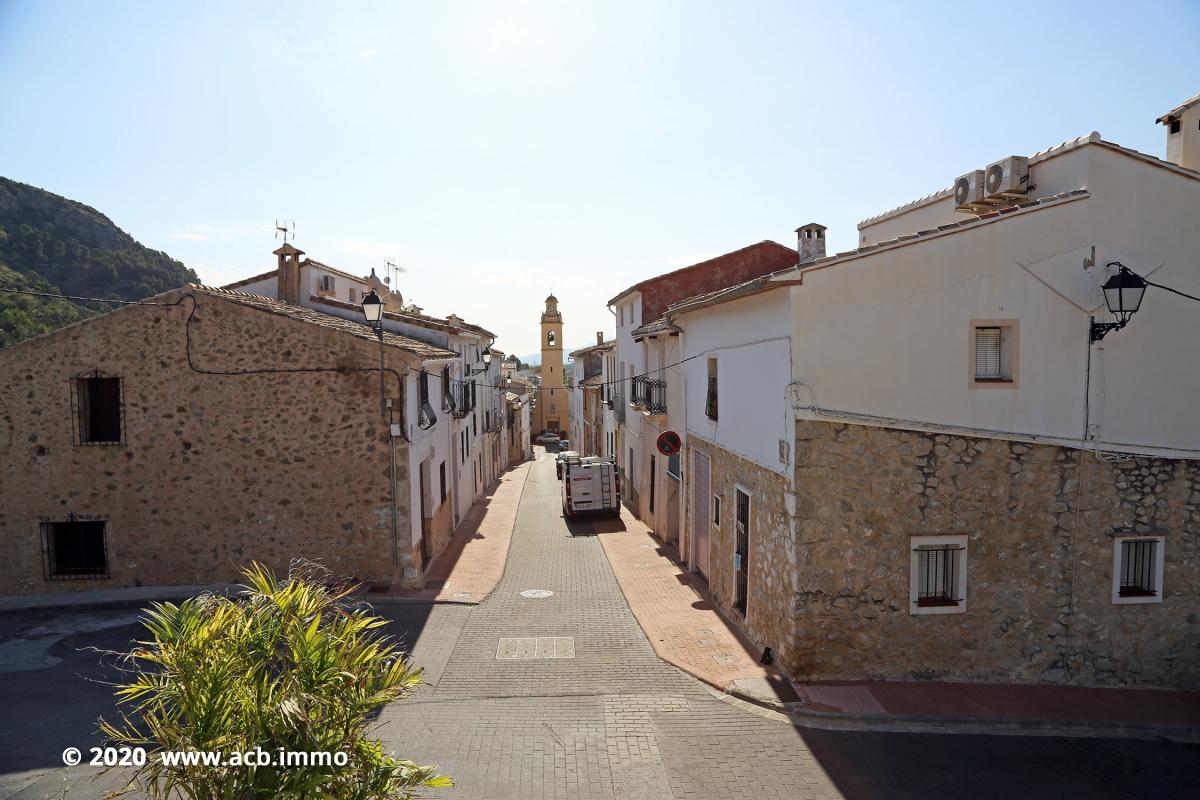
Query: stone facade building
174,443
921,459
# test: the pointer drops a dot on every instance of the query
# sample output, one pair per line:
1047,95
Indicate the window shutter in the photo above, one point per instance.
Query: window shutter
987,353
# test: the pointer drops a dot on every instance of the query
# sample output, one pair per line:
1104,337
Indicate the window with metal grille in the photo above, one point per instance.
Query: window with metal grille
937,575
98,410
74,550
1138,561
987,354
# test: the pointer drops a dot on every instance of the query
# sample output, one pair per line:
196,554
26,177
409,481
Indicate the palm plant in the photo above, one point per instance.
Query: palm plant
288,666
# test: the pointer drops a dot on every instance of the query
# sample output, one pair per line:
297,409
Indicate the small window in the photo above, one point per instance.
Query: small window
74,550
327,284
716,515
993,353
1175,126
551,338
710,401
99,410
353,295
1137,569
423,386
442,481
938,575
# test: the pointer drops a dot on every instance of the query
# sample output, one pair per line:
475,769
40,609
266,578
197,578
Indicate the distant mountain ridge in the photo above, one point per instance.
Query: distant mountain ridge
54,244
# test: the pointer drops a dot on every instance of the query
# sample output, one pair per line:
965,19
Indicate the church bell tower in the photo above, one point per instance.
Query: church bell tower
552,400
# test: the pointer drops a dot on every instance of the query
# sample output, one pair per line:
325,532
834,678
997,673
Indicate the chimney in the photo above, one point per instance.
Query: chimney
811,239
287,274
1183,134
599,337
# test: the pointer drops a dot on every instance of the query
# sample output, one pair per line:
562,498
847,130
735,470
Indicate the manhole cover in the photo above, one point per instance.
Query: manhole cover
537,593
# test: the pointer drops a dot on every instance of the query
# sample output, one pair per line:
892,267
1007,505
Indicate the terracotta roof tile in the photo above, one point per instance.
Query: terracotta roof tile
312,317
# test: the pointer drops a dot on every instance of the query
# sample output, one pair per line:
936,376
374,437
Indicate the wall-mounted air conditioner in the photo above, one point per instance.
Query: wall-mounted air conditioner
968,189
1007,176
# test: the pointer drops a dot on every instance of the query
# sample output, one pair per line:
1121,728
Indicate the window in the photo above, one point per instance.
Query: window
993,353
710,401
1137,569
98,410
551,338
938,575
621,312
652,482
327,284
423,386
74,550
353,295
716,514
442,481
673,466
1175,125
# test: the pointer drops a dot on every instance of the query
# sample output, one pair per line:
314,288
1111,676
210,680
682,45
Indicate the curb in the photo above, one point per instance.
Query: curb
993,726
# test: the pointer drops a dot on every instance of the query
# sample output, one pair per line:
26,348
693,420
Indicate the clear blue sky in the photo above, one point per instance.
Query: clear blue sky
501,149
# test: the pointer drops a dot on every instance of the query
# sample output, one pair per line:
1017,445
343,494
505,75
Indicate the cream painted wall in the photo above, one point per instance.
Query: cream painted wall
888,334
750,339
1050,175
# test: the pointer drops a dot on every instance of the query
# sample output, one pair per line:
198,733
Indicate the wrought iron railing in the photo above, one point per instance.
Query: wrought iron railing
639,394
650,394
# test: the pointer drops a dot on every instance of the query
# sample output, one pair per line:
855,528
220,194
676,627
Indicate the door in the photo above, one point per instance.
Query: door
701,497
741,555
653,481
426,505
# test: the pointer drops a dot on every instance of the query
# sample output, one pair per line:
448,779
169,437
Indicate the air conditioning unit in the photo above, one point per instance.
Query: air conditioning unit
968,189
1007,176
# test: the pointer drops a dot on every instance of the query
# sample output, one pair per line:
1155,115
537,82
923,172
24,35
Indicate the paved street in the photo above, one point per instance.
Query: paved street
576,706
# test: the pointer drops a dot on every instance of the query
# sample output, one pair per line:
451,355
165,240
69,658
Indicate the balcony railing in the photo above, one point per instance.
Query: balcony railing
650,395
464,400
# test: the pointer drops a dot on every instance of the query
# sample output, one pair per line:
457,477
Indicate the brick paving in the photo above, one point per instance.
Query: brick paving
675,610
593,726
470,566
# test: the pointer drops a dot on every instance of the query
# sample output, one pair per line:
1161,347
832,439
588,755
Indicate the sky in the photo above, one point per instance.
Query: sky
503,150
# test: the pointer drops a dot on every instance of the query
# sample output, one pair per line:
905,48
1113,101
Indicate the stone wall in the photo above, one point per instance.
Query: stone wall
1040,521
216,470
768,620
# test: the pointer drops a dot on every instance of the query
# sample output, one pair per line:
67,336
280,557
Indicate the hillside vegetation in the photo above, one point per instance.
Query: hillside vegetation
52,244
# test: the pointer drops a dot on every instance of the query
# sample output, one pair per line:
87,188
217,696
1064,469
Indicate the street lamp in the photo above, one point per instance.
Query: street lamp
372,308
486,355
1123,295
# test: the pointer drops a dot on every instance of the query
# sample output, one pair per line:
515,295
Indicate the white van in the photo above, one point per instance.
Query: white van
590,485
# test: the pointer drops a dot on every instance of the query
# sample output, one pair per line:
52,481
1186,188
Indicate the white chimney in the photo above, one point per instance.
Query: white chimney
599,337
811,238
1183,134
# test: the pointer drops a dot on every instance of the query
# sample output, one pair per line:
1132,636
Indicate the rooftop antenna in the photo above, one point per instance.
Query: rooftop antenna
390,268
285,229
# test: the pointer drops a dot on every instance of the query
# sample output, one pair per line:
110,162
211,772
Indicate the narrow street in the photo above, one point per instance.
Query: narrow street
562,696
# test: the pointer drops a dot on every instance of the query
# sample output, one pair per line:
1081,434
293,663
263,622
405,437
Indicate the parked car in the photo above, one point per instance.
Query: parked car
547,438
562,456
564,444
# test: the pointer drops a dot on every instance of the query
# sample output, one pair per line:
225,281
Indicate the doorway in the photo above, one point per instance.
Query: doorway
426,510
700,520
741,555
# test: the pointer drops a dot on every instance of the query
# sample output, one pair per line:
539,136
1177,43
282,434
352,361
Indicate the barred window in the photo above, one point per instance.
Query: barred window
1138,569
74,550
938,573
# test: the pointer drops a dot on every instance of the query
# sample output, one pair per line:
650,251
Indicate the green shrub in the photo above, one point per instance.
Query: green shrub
286,666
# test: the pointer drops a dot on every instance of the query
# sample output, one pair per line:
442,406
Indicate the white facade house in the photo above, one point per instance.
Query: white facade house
944,389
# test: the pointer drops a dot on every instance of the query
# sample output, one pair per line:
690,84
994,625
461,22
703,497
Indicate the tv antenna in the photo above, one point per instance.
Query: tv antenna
285,229
390,269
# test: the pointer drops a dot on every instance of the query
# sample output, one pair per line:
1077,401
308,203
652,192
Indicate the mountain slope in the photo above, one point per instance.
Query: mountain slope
51,243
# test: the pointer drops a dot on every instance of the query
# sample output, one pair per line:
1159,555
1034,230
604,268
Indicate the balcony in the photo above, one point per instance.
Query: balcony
650,395
462,400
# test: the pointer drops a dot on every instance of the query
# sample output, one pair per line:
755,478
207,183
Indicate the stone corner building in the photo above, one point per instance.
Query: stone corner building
174,443
915,460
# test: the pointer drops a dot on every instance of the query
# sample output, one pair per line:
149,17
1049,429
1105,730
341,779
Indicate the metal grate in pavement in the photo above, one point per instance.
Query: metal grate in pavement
541,647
